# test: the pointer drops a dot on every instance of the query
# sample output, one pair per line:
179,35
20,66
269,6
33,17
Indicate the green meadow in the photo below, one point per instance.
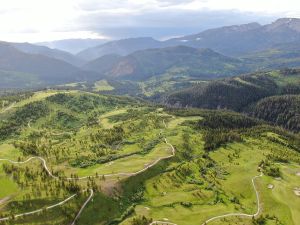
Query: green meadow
80,134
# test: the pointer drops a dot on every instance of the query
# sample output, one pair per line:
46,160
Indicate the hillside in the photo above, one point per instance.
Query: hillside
284,55
121,161
102,64
201,63
280,110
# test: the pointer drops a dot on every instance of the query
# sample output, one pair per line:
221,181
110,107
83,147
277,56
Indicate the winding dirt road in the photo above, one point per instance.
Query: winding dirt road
86,177
8,107
44,163
162,222
39,210
229,214
242,214
83,206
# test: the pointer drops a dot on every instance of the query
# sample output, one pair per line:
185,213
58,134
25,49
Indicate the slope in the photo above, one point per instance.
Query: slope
280,110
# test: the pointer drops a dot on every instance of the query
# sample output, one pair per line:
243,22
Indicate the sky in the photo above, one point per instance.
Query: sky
47,20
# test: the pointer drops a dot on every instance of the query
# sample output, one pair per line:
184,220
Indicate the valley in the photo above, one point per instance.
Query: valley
142,162
195,123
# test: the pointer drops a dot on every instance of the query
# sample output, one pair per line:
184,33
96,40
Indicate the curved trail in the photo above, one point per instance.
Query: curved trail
8,107
31,158
105,175
39,210
83,206
229,214
44,163
162,222
157,222
94,176
241,214
225,215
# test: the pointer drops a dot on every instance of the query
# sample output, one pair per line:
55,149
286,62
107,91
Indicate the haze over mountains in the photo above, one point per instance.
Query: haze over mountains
35,67
73,45
45,51
120,47
219,52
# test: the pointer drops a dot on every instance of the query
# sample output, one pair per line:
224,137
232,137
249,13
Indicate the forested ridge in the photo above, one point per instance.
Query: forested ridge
272,96
232,93
281,110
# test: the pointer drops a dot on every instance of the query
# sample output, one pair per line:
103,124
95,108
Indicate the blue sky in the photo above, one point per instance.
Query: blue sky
46,20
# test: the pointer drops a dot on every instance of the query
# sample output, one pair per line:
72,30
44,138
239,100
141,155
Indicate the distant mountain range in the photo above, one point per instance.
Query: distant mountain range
239,40
234,40
213,53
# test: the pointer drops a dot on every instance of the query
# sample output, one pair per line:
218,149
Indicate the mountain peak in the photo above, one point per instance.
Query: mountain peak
244,27
235,28
291,23
286,21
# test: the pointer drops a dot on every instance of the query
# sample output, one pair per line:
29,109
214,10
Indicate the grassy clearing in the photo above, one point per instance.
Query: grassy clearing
8,151
103,85
175,121
281,201
40,96
104,118
129,164
8,187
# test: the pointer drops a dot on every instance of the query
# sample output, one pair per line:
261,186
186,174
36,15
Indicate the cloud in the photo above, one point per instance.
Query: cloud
165,22
161,18
129,18
174,2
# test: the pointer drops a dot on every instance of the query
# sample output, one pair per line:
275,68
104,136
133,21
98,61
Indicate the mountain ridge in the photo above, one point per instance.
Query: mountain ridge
144,64
46,69
53,53
235,40
119,47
